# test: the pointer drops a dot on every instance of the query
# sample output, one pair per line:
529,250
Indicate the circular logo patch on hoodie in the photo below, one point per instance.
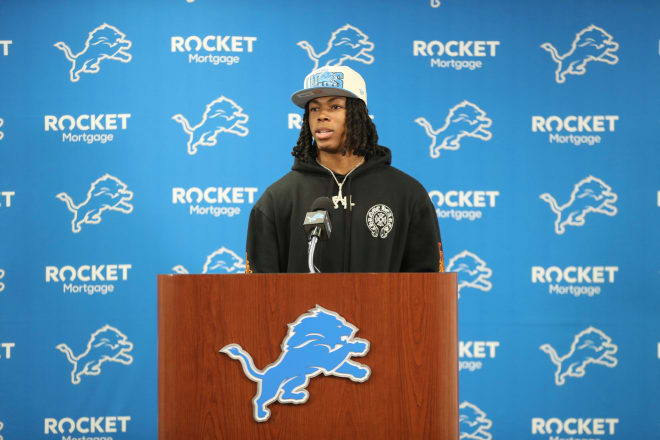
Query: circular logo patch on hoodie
380,220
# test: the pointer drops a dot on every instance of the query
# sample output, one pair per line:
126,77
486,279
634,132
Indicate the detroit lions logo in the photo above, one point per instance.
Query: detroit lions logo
221,116
107,193
326,79
589,195
316,217
104,42
2,122
473,423
2,275
590,44
346,43
221,261
464,120
590,346
106,344
472,272
319,341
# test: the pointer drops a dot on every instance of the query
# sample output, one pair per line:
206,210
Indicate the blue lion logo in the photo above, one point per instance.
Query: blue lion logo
320,341
316,217
327,79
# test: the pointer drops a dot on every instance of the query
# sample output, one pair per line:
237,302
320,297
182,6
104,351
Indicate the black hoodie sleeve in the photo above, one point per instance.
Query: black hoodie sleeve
261,247
423,246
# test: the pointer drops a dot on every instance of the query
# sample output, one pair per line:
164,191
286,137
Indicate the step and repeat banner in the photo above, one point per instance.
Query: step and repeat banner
136,136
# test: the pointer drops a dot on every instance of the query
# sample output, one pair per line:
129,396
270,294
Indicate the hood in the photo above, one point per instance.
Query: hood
369,164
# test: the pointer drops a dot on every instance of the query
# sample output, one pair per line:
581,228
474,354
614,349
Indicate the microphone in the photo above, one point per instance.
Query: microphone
317,227
317,220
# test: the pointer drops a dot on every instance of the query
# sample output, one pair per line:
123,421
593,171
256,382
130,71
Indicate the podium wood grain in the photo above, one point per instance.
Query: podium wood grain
409,319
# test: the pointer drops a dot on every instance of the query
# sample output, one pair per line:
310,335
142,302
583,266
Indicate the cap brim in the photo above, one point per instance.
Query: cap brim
302,97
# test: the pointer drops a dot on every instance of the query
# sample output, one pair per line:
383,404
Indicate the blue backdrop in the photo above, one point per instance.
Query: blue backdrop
135,137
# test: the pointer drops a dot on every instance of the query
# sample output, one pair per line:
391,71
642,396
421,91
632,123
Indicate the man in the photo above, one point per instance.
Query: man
382,219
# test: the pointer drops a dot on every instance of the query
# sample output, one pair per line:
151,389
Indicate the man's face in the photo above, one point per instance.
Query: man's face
327,122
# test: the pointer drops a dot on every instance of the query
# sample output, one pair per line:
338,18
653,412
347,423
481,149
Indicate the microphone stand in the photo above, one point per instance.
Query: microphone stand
311,248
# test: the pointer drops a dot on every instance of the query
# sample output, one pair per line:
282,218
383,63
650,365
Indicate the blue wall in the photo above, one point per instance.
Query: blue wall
533,125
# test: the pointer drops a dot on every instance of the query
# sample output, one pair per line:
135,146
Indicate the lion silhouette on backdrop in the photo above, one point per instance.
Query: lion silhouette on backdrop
221,261
106,193
472,271
473,423
590,194
590,346
320,341
106,344
590,44
464,120
104,42
346,43
221,116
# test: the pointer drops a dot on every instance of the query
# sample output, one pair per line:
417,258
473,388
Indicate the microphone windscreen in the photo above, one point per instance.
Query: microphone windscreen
322,204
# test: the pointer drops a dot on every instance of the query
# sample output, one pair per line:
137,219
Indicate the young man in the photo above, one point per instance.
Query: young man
382,219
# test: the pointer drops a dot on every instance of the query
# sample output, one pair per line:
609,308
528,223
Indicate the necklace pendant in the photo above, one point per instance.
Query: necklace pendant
338,199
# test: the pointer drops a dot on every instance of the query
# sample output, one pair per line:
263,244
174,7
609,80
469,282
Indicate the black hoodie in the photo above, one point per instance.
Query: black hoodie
392,226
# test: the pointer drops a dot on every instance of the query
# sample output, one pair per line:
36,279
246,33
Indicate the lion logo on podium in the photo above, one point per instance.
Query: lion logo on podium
320,341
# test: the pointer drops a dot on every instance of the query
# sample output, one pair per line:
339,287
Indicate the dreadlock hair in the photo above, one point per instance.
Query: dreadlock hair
361,134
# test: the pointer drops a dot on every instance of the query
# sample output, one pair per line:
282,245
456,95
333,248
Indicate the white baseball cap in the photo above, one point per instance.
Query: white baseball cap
331,81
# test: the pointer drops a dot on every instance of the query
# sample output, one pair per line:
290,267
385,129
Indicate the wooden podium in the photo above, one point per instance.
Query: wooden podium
409,320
